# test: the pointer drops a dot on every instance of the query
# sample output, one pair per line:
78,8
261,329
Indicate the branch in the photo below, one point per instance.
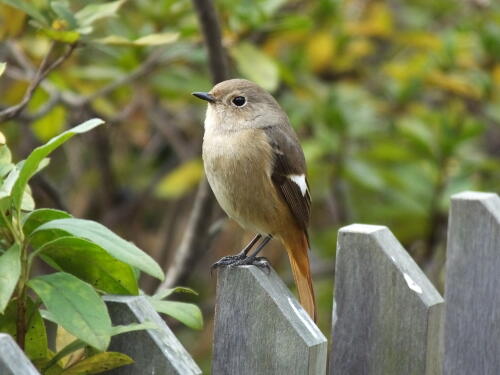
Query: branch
145,68
74,100
196,235
44,69
209,22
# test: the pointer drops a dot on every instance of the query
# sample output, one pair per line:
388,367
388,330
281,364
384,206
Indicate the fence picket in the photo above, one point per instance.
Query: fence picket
387,314
12,359
472,313
260,328
155,351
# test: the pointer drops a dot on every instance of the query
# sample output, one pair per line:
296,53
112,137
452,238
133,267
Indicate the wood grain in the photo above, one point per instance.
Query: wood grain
12,359
260,328
387,315
155,351
472,316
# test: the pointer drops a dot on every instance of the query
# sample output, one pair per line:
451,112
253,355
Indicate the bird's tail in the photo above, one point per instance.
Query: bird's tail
297,248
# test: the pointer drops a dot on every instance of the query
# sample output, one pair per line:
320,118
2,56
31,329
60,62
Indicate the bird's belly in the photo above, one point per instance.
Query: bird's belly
239,174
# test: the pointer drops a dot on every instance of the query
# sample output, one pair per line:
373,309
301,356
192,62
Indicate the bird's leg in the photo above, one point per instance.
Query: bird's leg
253,259
230,259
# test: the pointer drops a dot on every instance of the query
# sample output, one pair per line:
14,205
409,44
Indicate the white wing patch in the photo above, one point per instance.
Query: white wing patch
300,180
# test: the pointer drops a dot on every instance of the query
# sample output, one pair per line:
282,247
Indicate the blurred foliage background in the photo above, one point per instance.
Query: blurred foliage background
397,105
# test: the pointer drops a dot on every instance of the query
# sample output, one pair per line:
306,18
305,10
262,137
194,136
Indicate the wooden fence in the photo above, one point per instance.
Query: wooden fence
387,319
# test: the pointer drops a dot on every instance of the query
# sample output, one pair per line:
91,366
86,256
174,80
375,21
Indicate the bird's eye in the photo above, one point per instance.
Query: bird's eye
239,101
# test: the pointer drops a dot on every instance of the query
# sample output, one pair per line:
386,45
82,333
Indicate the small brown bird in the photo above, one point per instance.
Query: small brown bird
257,171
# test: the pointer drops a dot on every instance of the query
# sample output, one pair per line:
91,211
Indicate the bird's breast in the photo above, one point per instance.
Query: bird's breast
238,168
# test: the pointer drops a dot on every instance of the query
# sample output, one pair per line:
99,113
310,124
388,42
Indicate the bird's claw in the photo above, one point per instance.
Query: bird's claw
228,261
252,260
242,260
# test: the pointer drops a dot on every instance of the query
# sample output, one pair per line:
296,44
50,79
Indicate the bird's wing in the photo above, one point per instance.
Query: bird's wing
289,173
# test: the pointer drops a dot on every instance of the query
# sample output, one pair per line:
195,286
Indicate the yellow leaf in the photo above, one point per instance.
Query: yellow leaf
98,363
11,21
114,39
148,40
181,180
50,125
419,39
354,51
157,39
281,41
59,25
406,70
2,67
60,34
453,83
466,51
378,21
495,74
64,338
321,50
15,92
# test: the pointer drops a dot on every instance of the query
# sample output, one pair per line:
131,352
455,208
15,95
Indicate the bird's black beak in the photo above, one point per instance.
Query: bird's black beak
205,96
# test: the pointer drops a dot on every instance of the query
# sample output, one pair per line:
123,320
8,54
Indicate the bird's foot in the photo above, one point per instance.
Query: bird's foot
242,260
228,261
252,260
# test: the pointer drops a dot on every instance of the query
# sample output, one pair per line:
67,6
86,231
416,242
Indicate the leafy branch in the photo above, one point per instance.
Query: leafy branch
45,68
89,259
197,233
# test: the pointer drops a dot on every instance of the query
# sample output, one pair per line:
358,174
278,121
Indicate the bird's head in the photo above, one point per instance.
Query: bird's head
238,104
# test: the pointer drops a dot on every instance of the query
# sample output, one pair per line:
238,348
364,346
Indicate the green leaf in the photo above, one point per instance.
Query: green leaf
93,12
41,363
5,155
91,263
27,202
256,66
76,306
68,349
61,8
36,337
364,174
28,8
41,216
31,164
8,185
65,36
2,68
148,40
164,293
118,330
100,362
10,270
47,315
100,235
186,313
5,169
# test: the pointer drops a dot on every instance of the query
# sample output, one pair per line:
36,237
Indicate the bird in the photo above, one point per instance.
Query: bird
256,169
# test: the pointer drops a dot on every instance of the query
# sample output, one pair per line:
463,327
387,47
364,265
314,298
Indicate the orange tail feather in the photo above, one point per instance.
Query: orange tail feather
297,248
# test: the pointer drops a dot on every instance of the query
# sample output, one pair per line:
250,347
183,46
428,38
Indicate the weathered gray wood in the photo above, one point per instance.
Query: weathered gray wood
155,351
472,291
387,316
12,359
260,328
